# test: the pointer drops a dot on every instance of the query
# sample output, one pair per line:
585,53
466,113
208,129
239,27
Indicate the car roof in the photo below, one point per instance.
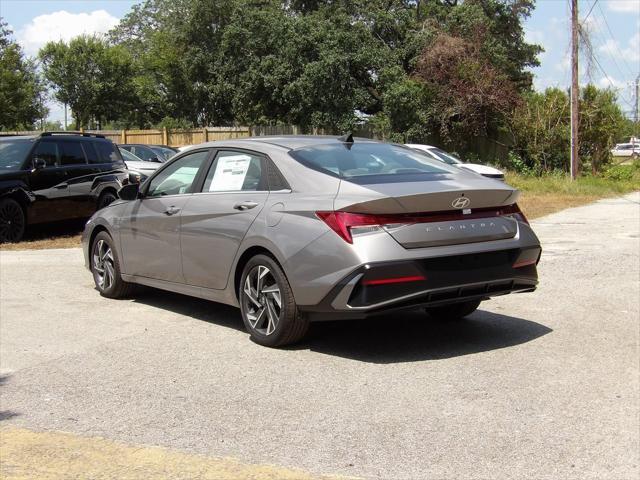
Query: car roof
69,136
421,145
6,138
289,142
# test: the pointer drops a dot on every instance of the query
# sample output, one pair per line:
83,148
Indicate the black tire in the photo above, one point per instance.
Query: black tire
115,287
106,198
454,311
259,313
12,221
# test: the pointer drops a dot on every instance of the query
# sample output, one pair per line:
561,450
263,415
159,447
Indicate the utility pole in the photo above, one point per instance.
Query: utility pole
65,116
637,107
575,122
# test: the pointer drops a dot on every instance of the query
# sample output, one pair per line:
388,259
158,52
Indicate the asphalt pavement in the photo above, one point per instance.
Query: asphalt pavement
542,385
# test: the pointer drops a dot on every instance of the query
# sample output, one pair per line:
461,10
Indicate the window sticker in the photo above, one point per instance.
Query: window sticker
230,173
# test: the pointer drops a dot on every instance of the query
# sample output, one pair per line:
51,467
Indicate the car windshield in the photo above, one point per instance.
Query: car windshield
166,153
370,162
128,156
13,152
445,157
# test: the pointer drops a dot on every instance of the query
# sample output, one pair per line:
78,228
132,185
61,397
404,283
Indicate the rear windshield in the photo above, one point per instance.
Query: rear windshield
14,152
445,157
370,162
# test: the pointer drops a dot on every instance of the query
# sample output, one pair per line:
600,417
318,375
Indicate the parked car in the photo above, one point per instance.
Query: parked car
449,159
626,150
304,228
150,153
55,176
138,166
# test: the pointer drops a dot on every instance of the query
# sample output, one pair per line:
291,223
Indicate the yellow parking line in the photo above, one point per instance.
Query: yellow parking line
25,454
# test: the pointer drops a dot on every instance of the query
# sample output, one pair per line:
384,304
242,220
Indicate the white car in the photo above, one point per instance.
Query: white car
442,156
138,166
626,150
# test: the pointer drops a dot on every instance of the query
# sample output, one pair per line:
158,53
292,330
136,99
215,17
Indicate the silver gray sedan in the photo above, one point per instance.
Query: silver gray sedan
297,229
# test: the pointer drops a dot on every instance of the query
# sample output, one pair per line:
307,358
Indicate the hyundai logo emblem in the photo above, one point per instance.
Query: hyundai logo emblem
461,202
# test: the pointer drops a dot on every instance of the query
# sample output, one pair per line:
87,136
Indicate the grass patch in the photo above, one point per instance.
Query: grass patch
550,193
55,235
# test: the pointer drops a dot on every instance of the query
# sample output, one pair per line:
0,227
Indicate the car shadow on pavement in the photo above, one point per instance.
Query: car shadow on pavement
413,336
205,310
404,337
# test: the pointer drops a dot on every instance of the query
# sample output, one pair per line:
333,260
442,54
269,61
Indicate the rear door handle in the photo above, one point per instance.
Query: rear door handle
245,205
171,210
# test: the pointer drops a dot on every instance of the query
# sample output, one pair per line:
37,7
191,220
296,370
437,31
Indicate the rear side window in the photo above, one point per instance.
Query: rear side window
235,171
90,152
370,162
276,179
49,152
107,152
72,153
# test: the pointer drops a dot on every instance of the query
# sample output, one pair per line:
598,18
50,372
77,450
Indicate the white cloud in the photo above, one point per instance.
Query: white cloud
631,53
611,82
624,6
62,25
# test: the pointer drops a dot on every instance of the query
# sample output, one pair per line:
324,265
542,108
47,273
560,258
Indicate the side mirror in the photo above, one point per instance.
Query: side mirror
39,163
129,192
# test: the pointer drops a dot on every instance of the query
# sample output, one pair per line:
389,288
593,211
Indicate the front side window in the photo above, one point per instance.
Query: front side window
178,177
371,162
235,172
49,152
72,153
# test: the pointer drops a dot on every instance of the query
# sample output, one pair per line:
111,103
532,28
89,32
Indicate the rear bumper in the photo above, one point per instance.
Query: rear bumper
367,291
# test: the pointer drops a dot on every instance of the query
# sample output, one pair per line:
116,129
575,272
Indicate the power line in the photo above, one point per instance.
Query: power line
615,42
590,10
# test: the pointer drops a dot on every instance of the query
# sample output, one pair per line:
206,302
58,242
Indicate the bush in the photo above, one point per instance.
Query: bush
623,173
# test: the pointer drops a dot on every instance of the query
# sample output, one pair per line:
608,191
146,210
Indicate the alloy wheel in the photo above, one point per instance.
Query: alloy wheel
11,222
262,300
103,265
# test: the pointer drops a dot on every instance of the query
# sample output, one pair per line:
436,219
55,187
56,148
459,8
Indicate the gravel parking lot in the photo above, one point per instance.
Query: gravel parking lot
541,385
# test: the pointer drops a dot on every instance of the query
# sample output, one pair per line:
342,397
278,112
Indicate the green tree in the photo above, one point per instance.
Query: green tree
540,129
22,92
601,120
92,77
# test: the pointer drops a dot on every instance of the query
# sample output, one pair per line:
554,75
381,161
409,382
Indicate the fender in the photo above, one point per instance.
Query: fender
112,179
18,190
261,242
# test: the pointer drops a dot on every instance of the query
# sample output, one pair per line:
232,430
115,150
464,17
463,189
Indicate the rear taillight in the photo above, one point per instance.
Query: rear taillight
343,222
346,224
515,212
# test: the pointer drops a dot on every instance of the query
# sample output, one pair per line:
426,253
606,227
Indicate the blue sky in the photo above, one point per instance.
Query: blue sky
614,27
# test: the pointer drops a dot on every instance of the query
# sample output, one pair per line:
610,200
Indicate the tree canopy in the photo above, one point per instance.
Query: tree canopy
328,63
22,92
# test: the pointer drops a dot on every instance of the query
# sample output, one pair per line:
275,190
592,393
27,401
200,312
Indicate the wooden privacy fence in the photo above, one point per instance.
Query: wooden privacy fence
488,150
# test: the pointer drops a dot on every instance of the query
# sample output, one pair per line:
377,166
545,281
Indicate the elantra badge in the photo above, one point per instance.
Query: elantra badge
461,202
